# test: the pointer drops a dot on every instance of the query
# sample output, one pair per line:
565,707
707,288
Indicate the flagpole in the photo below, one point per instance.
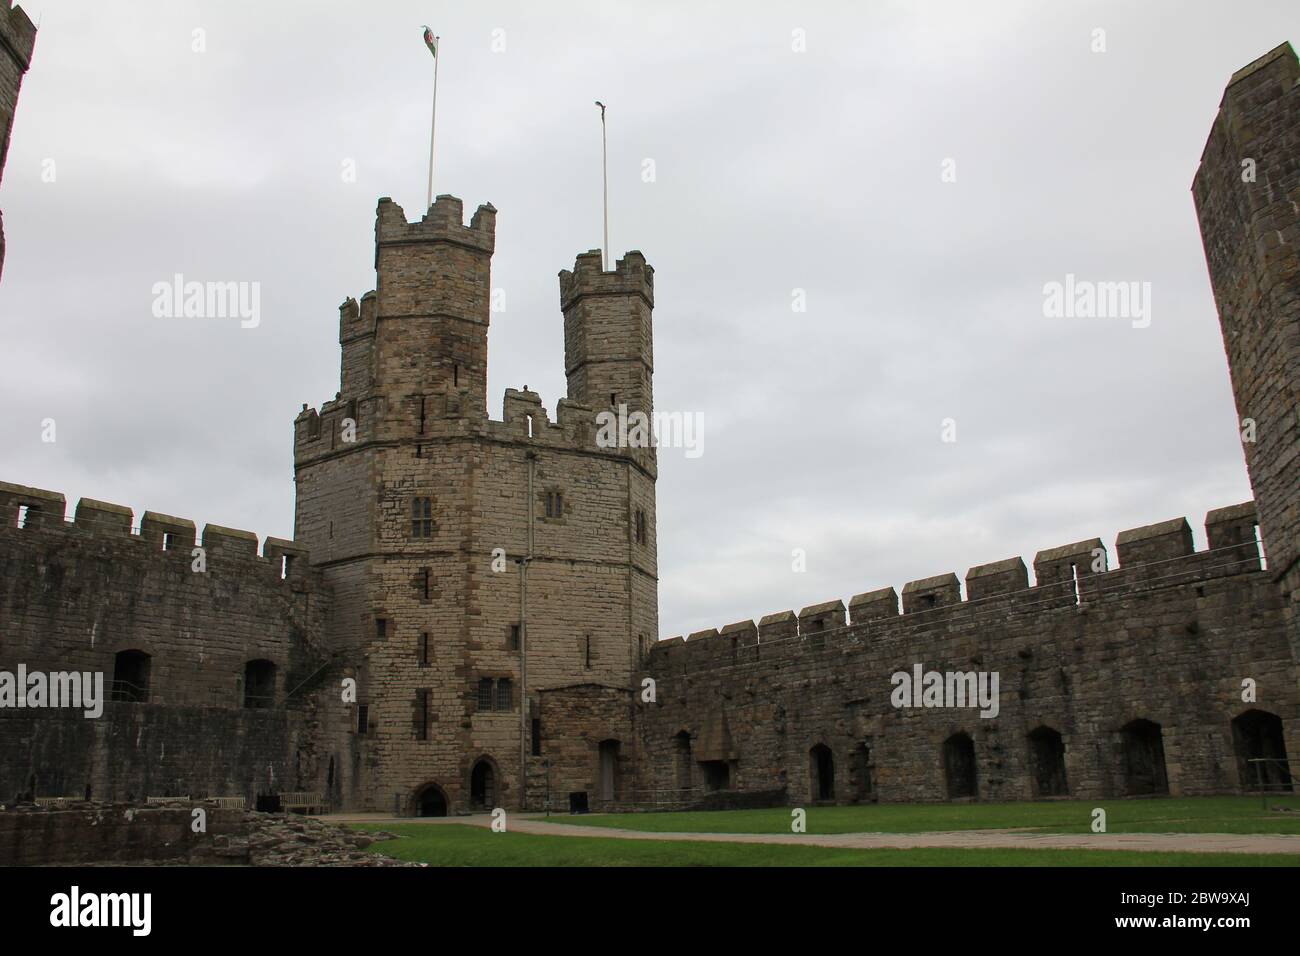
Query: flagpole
604,167
433,119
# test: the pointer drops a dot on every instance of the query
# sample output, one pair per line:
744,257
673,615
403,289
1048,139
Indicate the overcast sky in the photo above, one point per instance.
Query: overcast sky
776,169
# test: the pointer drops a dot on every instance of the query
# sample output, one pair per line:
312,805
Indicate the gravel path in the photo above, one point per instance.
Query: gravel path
953,839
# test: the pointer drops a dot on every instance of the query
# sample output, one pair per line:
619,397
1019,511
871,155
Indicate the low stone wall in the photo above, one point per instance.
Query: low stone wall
116,833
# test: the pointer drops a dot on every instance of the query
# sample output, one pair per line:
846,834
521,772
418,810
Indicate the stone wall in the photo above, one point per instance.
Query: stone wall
1167,637
99,832
174,646
1247,193
17,39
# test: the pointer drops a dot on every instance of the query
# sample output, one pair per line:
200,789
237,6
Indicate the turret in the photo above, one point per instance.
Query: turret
432,301
608,345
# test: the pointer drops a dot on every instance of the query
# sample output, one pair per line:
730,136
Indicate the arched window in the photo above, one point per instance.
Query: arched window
959,766
1047,762
821,765
259,684
1144,758
131,677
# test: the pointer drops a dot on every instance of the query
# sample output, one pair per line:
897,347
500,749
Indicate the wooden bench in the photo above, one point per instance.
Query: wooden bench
185,799
302,802
50,801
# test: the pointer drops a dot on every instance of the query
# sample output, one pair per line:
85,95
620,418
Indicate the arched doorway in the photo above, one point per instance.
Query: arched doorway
482,785
1261,751
821,766
1047,762
608,769
959,766
1144,758
430,801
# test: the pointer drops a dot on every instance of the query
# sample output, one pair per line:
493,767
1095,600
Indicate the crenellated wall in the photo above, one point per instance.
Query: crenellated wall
1168,636
75,594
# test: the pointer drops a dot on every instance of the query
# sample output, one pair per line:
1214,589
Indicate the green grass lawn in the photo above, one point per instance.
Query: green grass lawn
1166,815
455,845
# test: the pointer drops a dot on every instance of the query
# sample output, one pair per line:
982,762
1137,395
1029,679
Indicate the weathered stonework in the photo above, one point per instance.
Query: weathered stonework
1247,193
1168,639
87,595
431,604
17,39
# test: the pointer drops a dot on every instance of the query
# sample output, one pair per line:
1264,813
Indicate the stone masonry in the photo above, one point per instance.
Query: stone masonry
17,39
467,617
476,564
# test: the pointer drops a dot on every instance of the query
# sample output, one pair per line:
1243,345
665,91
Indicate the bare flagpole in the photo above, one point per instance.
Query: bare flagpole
432,42
604,165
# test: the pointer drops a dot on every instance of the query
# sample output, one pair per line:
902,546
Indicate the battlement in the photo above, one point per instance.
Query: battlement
28,510
525,418
17,34
631,276
1068,576
443,222
356,320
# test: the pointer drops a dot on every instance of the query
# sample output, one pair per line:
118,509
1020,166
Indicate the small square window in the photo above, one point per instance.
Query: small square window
421,518
484,694
505,694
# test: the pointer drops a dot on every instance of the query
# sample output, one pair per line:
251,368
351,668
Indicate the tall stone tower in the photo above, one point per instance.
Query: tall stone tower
1247,193
17,39
493,581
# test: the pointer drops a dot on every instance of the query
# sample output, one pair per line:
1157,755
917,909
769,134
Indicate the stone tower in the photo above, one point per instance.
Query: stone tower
490,578
1247,193
17,39
608,351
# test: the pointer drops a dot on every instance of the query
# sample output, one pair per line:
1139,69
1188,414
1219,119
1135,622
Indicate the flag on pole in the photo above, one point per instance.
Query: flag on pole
431,42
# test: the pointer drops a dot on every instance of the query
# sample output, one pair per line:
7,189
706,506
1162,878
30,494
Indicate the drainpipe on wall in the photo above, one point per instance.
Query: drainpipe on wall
523,643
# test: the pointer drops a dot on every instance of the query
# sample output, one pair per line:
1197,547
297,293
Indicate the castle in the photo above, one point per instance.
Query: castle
467,615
